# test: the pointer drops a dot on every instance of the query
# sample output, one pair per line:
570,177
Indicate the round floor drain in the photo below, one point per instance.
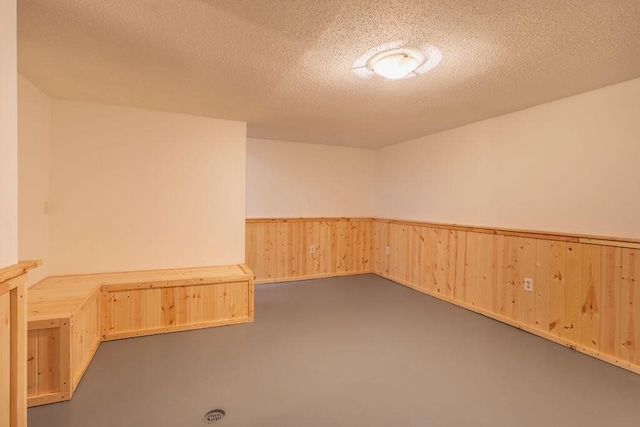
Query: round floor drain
214,416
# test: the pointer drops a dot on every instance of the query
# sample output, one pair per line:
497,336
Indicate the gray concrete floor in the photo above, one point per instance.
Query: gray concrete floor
352,351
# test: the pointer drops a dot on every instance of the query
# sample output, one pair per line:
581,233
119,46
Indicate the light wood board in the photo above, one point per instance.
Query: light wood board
279,249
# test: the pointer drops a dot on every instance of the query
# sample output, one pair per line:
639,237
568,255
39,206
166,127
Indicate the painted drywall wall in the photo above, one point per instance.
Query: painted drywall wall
135,189
8,136
569,165
34,159
290,179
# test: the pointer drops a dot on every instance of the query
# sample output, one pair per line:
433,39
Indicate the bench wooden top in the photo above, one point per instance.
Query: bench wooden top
60,296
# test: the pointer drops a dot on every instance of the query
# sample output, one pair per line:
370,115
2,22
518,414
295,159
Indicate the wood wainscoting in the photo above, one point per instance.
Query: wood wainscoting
278,249
585,289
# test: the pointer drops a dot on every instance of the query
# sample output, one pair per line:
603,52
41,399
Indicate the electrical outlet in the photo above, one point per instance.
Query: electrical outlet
312,249
528,284
386,250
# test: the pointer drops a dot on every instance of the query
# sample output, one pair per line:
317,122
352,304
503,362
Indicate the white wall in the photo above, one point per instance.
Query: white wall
34,158
572,165
8,136
134,189
289,179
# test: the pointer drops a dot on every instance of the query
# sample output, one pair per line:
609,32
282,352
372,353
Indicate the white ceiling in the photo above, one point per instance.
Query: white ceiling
285,66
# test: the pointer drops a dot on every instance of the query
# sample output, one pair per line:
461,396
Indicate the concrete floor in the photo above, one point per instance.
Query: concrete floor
353,351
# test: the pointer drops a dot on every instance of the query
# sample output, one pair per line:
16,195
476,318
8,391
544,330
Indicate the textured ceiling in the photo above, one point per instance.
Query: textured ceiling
285,66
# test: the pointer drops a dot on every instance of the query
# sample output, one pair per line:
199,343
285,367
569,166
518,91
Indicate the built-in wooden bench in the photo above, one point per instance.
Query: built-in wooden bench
68,316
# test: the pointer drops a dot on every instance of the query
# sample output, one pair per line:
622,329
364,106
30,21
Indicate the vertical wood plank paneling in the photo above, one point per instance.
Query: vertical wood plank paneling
79,337
237,301
558,288
359,256
182,307
526,253
180,301
461,253
312,237
260,252
630,306
480,287
18,353
293,243
195,309
65,349
404,264
222,301
331,233
48,360
153,308
209,302
32,362
513,277
362,242
85,337
5,359
386,257
245,309
418,257
544,284
505,298
428,243
441,241
377,247
138,309
316,258
344,253
395,250
279,249
168,307
573,293
269,236
610,313
250,245
591,294
400,249
121,311
366,244
302,253
472,270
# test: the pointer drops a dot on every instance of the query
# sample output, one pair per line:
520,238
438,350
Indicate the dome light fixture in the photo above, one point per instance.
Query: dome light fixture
396,61
394,66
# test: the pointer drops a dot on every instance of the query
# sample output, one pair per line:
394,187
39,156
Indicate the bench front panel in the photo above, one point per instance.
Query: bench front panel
152,310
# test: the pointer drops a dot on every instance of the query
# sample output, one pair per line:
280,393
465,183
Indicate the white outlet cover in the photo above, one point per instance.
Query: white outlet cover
528,284
386,250
312,249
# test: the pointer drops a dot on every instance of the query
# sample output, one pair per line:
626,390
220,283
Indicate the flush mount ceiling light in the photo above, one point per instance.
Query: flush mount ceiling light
393,64
394,61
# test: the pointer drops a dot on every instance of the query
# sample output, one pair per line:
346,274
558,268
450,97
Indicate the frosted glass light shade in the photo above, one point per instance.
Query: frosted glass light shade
395,66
